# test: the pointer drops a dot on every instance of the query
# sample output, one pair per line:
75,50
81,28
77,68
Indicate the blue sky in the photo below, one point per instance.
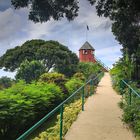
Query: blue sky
15,29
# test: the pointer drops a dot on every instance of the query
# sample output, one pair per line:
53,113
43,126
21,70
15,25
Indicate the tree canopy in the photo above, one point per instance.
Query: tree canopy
50,53
44,10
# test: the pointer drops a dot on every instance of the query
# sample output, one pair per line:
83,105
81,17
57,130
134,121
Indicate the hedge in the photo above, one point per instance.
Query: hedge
22,105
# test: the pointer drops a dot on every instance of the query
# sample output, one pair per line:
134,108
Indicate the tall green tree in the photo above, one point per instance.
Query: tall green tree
51,53
125,17
12,59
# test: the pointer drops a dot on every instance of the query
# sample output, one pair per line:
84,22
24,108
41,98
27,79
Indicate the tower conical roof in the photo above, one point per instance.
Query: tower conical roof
87,46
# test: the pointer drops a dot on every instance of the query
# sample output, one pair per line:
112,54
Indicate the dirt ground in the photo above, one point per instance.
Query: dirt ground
101,119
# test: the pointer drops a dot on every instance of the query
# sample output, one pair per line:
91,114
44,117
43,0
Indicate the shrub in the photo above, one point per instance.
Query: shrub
132,115
54,77
24,104
79,76
57,78
73,84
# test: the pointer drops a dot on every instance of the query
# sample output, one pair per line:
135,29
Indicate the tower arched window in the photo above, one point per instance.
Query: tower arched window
85,52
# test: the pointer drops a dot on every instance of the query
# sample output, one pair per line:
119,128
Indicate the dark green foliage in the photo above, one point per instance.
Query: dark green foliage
51,53
42,11
5,82
24,104
69,66
30,71
132,115
13,58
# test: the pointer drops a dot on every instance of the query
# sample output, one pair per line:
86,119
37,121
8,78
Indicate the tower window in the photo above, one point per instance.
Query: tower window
85,52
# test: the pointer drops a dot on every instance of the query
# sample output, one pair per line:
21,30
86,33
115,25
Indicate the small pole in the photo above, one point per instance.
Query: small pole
87,29
86,36
130,97
61,122
83,99
121,87
91,87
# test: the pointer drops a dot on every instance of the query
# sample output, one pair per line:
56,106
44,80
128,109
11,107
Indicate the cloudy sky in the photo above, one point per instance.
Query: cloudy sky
15,29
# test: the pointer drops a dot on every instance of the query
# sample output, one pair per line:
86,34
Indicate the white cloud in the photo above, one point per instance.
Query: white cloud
109,55
109,50
9,24
8,74
88,16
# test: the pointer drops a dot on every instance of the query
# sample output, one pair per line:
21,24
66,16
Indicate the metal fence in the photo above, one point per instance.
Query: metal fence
82,93
132,92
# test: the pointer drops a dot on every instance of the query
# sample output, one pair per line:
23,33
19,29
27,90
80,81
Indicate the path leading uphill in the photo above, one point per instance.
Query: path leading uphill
101,119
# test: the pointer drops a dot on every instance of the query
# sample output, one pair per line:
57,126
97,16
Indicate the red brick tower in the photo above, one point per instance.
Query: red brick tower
86,53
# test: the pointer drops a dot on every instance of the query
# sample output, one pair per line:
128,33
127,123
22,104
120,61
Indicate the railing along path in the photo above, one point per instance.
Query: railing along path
60,107
132,92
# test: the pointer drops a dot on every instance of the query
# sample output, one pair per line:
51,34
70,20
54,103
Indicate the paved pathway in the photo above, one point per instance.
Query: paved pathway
101,119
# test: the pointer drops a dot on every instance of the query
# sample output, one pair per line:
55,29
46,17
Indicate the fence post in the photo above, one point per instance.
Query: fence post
91,89
130,97
121,87
93,86
83,96
61,122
